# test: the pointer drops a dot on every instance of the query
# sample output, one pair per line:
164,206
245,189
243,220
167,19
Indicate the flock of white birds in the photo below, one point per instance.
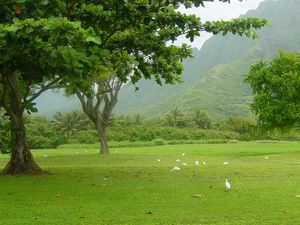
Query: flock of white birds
176,168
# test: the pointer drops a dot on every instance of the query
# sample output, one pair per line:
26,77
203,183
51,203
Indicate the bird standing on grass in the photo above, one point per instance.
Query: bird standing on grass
175,169
227,185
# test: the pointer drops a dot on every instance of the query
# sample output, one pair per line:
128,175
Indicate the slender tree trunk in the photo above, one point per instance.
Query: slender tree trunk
21,161
102,139
99,105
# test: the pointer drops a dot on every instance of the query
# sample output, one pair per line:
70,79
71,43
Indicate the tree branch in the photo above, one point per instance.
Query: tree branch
45,88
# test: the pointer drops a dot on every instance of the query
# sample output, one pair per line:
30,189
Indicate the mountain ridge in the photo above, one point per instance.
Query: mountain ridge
213,78
202,89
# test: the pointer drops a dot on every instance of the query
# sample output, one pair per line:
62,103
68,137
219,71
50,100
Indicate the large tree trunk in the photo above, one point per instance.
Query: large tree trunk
21,161
102,139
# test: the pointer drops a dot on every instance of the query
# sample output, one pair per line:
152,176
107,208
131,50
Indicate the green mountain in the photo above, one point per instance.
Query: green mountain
213,78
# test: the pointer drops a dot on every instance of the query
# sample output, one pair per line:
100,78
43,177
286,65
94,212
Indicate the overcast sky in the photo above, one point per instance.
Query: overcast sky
219,11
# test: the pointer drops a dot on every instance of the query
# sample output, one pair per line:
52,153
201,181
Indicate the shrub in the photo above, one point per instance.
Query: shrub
84,137
41,133
240,124
5,141
150,133
41,142
159,141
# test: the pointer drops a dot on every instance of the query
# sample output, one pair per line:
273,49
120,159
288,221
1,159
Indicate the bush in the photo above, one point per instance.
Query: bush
150,133
202,120
240,124
84,137
159,141
41,133
5,138
40,142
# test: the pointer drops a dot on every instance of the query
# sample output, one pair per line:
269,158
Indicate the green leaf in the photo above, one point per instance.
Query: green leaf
29,30
95,40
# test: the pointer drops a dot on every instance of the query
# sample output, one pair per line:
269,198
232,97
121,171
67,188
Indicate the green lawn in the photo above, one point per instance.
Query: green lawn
131,187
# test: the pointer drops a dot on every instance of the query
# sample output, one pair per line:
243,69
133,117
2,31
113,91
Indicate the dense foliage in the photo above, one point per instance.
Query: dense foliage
5,141
276,88
43,133
74,128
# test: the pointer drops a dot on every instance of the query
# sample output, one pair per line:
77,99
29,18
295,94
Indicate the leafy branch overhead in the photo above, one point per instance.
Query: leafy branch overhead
139,29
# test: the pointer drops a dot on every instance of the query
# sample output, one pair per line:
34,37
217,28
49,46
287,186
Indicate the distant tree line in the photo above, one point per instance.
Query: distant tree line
74,127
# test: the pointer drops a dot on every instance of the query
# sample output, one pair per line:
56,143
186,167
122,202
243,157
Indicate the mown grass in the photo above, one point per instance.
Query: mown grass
131,187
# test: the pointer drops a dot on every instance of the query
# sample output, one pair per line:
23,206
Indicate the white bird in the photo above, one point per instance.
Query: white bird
183,154
204,163
175,169
184,164
177,160
158,160
196,163
225,163
266,157
227,185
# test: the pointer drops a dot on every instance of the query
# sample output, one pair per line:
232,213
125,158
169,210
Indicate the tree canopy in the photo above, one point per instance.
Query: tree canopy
45,42
276,88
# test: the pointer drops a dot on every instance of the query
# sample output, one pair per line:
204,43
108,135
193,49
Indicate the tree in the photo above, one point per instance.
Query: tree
276,89
98,104
201,119
139,34
68,123
46,42
174,117
35,54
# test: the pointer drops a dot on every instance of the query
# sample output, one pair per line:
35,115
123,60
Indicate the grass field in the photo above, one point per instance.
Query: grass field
132,187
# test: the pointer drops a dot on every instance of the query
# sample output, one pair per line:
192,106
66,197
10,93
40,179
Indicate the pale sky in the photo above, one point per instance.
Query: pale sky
219,11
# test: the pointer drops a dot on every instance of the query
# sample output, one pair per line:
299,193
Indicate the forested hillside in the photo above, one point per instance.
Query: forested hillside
213,79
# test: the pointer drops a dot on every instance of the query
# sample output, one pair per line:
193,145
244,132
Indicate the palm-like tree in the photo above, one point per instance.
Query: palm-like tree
69,123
